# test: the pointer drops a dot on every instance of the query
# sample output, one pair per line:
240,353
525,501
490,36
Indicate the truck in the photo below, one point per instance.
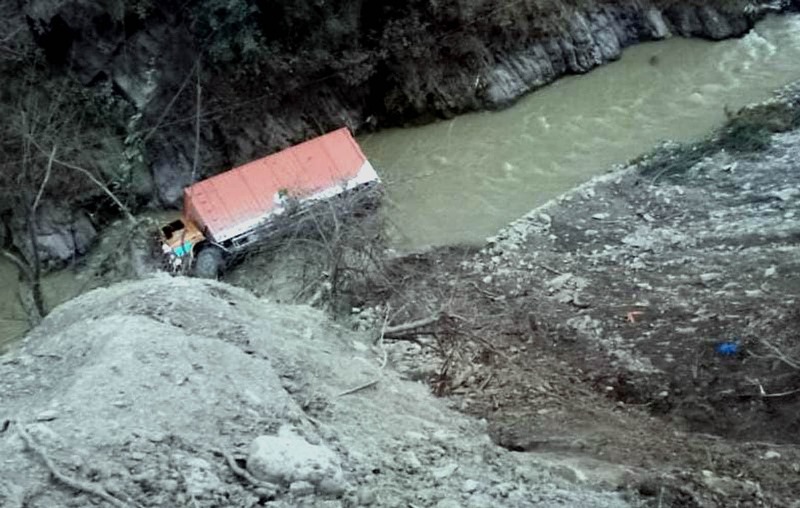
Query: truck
230,213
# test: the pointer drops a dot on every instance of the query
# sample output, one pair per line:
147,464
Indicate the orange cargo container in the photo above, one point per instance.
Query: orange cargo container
237,201
228,208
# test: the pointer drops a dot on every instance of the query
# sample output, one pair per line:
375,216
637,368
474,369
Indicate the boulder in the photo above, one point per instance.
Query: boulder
288,458
61,235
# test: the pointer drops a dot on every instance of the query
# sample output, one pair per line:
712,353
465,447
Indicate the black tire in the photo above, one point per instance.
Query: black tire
209,263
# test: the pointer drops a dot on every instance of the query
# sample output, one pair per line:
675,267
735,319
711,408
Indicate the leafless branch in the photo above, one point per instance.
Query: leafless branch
195,161
46,178
777,354
88,174
18,262
171,103
88,487
241,473
405,328
359,388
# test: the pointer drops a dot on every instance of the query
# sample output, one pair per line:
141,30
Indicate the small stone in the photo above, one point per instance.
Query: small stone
601,216
366,496
46,416
705,278
409,461
169,485
487,279
333,486
502,489
415,436
469,486
200,477
771,454
301,488
570,474
770,272
446,471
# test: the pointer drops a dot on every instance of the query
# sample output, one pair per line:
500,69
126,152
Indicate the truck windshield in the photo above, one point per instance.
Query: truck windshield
171,228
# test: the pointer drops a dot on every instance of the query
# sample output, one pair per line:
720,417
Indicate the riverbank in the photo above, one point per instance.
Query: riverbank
647,318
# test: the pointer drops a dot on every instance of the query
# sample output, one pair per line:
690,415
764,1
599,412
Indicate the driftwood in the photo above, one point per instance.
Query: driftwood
398,331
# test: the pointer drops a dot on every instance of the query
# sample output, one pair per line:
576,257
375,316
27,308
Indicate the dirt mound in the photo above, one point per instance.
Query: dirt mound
180,392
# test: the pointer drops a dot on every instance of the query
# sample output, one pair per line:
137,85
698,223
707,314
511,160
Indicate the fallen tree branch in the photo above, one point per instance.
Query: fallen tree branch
87,487
487,294
777,354
405,328
242,473
359,388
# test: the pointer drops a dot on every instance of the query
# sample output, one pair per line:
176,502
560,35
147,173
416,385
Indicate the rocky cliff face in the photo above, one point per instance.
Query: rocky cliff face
274,73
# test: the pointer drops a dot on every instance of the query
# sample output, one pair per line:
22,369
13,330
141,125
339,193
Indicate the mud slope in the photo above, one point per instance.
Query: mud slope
139,390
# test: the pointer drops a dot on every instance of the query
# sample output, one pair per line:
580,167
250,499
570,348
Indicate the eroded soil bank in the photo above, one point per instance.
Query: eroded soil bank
648,318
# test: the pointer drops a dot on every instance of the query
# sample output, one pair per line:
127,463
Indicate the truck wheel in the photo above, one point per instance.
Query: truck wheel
209,263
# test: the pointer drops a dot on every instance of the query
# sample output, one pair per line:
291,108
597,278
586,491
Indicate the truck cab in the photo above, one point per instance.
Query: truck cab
179,238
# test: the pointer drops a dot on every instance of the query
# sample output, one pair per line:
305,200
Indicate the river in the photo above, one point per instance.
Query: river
461,180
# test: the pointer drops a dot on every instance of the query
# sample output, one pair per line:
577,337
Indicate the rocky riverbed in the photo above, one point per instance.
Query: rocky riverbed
648,317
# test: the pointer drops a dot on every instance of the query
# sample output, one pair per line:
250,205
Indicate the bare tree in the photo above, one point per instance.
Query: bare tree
53,143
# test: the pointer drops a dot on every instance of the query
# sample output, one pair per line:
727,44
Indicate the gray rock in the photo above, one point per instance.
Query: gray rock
62,234
445,471
715,26
366,496
470,486
301,488
200,477
288,458
658,26
171,174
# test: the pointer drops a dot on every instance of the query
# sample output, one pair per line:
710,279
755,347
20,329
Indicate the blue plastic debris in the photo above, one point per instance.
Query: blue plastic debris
727,348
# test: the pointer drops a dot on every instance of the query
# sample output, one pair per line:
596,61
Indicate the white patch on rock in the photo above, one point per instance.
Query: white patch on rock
288,458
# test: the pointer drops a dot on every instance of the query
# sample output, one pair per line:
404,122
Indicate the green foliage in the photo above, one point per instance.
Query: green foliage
751,128
230,30
748,131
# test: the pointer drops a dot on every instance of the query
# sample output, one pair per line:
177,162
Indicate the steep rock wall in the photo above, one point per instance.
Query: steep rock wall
288,70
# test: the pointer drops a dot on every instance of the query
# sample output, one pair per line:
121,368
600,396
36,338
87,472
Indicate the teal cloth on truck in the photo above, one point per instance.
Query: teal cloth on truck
182,250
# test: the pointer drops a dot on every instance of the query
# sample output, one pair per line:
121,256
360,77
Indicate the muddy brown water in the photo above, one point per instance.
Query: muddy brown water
461,180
